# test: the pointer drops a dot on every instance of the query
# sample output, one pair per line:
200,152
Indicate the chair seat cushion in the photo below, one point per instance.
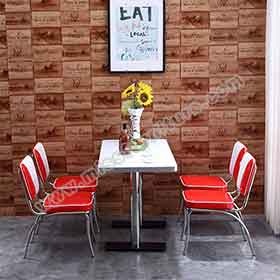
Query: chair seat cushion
68,201
86,184
203,182
208,199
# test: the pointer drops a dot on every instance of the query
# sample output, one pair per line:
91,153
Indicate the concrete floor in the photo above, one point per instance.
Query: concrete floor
61,252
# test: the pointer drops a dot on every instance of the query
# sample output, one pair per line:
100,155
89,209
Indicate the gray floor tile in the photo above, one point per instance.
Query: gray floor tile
61,251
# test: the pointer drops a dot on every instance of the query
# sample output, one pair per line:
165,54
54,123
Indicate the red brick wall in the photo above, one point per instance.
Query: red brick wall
55,87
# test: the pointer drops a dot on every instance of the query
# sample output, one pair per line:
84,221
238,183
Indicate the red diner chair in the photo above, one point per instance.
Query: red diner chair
215,201
55,203
215,182
64,183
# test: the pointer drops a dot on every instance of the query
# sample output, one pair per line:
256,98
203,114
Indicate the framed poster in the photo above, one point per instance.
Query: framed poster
136,35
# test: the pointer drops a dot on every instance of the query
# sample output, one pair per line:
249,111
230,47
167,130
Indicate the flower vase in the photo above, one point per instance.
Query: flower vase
135,119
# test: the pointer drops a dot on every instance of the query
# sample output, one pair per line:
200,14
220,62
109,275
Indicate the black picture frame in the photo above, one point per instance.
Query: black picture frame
163,43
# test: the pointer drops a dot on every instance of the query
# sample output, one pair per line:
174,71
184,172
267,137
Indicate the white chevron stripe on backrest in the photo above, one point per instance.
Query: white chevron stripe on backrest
243,168
29,164
238,146
40,148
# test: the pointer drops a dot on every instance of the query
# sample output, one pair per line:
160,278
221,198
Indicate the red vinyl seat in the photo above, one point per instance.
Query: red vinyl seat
62,202
217,182
58,201
206,182
217,201
82,183
208,199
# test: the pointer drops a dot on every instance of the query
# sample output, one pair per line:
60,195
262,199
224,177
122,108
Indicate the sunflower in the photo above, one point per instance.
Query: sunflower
144,87
129,91
144,98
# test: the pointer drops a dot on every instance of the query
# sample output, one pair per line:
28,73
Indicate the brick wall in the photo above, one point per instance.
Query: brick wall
55,87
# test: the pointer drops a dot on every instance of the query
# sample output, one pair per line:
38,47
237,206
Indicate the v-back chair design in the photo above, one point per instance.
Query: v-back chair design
196,200
73,183
56,203
215,182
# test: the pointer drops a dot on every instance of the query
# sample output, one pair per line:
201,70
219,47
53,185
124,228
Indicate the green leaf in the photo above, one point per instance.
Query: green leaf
127,104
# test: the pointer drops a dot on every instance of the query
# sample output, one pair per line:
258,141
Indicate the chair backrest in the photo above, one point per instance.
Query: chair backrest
237,154
246,175
30,178
41,159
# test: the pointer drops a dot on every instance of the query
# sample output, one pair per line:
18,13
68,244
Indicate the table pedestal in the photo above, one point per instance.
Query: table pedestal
135,224
146,224
143,247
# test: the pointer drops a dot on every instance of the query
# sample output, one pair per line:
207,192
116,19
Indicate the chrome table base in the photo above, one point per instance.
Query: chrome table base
146,224
143,247
136,223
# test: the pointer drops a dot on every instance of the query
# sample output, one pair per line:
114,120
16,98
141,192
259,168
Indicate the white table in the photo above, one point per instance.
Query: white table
157,158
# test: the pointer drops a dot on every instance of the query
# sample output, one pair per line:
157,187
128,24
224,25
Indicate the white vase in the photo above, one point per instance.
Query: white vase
135,118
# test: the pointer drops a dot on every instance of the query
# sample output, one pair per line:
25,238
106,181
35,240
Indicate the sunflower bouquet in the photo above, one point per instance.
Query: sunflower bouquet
138,95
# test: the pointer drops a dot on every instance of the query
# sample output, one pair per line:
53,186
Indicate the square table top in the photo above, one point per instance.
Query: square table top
156,158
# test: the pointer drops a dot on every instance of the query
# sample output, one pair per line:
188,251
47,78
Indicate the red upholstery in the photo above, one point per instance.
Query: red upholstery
41,161
213,182
82,183
30,178
64,201
40,164
28,182
208,199
246,174
237,154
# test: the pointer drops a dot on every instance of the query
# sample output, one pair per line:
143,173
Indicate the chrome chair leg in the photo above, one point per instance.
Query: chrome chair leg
37,221
238,214
189,212
36,232
95,214
89,234
184,226
96,221
245,230
248,237
91,225
30,236
181,208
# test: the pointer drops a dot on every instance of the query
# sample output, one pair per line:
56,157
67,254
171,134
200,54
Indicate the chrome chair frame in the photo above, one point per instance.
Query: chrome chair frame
234,213
50,183
40,213
228,179
93,195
